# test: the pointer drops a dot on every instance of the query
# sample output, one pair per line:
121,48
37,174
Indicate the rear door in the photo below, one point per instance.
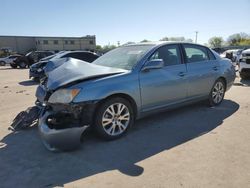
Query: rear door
202,69
165,86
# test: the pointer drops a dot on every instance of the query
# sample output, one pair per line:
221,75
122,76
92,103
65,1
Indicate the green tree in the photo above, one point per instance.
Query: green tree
244,42
176,39
215,42
98,47
145,40
237,38
164,39
107,48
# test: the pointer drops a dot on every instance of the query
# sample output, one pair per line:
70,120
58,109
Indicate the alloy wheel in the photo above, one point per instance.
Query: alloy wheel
218,92
116,119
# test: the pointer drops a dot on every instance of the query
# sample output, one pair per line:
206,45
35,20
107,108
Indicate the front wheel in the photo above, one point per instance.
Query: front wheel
13,66
113,118
217,93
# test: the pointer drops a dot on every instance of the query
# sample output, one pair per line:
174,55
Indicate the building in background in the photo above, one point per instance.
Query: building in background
24,44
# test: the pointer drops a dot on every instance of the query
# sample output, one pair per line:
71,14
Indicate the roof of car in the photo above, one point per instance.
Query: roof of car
156,43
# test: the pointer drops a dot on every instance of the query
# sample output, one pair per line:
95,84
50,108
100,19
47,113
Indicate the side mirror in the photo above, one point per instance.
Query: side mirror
153,64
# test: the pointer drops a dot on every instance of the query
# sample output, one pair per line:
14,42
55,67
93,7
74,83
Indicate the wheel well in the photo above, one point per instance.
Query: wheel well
124,96
224,80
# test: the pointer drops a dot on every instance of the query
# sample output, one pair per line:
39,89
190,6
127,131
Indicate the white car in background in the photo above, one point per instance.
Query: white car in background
7,60
244,64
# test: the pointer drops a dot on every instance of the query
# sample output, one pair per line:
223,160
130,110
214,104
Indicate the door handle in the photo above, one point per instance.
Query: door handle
215,68
181,74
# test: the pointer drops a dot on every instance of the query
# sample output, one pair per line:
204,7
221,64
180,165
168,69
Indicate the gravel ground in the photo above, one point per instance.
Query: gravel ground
194,146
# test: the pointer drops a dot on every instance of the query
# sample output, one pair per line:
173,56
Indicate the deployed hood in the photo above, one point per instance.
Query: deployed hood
72,70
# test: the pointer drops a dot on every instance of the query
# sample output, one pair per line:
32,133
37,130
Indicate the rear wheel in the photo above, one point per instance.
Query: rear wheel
217,93
113,118
2,63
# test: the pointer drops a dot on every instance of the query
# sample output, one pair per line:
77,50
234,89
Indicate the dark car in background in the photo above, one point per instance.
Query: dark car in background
29,59
244,64
37,69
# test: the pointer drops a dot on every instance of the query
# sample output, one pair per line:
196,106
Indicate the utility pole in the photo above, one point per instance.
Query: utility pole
196,36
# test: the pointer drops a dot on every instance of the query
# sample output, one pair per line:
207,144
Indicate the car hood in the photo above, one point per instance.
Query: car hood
74,70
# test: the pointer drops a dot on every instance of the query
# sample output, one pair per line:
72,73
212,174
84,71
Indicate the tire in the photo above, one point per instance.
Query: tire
217,93
36,79
243,76
22,65
13,66
2,63
109,123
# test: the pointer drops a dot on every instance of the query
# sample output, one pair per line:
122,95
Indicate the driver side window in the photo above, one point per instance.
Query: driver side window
170,55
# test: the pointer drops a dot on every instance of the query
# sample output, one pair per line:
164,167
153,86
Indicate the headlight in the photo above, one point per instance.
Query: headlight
39,70
63,96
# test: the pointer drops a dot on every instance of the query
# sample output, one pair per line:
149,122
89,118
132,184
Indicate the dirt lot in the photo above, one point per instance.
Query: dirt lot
194,146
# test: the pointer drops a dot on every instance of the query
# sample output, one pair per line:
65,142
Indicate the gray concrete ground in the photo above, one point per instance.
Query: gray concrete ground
195,146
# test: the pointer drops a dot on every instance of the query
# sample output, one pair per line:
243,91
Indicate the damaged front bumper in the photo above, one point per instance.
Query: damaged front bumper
61,126
59,138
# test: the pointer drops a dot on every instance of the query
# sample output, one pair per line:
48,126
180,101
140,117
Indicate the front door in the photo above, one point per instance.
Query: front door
165,86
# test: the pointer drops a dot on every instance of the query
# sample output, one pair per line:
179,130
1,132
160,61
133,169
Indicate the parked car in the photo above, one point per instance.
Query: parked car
30,58
237,55
244,64
219,50
7,60
125,84
227,54
37,69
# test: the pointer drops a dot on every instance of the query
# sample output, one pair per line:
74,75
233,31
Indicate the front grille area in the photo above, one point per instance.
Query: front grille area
247,61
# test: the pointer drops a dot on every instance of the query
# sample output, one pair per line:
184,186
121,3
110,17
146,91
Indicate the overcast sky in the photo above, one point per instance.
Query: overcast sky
125,20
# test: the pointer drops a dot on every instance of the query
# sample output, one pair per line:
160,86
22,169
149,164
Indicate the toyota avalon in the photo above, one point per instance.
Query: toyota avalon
125,84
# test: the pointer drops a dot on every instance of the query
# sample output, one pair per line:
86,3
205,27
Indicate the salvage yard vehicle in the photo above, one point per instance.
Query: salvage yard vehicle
126,84
29,59
8,60
244,64
37,69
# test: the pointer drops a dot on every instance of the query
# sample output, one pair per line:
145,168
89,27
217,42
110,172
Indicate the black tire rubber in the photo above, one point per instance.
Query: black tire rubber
210,99
13,66
242,76
22,65
99,113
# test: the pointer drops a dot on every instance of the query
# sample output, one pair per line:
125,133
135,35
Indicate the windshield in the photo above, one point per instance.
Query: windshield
123,57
